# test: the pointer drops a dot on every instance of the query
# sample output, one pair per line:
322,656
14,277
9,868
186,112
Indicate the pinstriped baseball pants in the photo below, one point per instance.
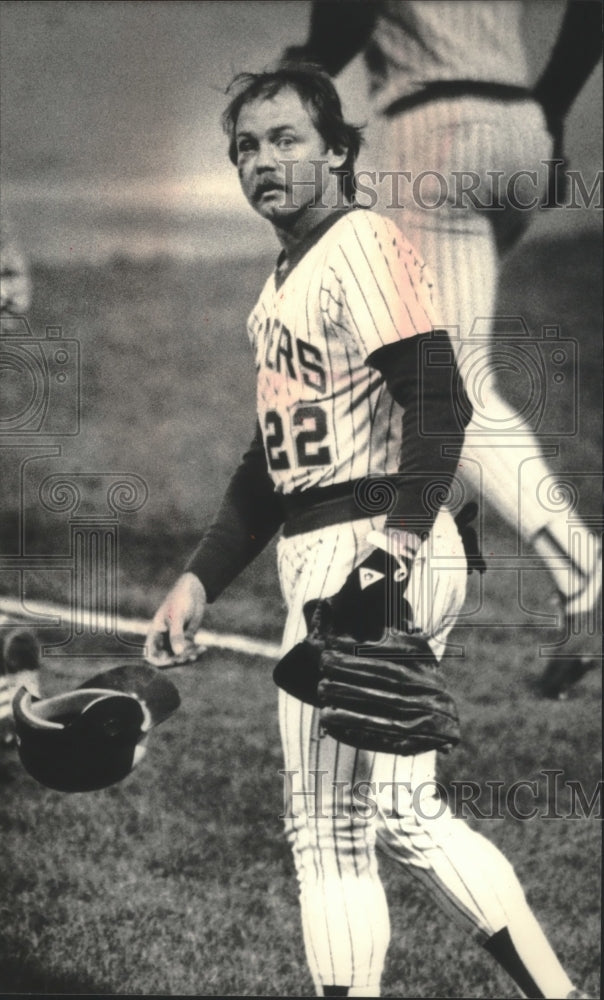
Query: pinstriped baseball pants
340,801
463,154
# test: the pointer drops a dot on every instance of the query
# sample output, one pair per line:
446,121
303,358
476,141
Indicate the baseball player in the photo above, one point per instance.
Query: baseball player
450,83
337,336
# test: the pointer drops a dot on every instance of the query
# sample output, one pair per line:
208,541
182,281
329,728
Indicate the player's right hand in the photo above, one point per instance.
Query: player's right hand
171,635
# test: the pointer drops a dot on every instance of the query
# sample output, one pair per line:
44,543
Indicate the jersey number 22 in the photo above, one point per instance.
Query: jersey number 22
309,450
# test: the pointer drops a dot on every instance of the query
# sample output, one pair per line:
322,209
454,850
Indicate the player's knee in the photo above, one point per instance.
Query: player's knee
423,804
413,820
344,838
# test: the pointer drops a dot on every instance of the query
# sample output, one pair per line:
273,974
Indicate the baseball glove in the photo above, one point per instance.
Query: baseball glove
372,675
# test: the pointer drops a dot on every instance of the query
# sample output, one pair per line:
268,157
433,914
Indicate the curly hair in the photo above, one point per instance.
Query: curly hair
320,98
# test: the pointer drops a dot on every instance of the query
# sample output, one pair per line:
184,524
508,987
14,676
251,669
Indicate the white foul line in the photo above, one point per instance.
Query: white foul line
130,626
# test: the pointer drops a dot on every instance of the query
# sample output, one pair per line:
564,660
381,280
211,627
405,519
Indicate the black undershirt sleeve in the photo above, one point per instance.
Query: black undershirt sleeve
250,514
577,51
422,377
338,32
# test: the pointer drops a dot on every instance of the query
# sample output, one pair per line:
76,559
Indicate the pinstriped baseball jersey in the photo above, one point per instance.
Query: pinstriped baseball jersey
325,414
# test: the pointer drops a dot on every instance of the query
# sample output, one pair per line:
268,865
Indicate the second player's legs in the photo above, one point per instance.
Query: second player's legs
461,142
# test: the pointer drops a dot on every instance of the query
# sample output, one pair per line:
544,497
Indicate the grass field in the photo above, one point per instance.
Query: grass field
178,880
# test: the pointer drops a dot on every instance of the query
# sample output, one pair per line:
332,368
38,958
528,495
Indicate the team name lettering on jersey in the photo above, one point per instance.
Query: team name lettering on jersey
304,361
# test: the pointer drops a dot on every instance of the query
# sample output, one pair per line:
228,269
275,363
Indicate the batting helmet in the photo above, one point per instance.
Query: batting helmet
94,736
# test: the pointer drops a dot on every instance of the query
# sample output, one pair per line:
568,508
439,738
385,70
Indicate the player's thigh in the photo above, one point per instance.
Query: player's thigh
315,564
467,156
464,266
467,176
325,783
312,566
325,789
457,244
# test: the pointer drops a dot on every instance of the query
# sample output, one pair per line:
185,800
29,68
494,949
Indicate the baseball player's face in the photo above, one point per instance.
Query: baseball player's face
282,160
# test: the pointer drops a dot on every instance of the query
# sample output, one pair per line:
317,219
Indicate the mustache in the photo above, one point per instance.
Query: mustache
268,185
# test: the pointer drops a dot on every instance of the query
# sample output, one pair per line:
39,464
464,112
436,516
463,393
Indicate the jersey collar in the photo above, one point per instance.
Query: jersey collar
285,264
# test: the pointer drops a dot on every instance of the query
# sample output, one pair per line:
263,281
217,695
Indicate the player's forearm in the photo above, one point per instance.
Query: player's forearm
436,411
577,51
338,32
249,516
